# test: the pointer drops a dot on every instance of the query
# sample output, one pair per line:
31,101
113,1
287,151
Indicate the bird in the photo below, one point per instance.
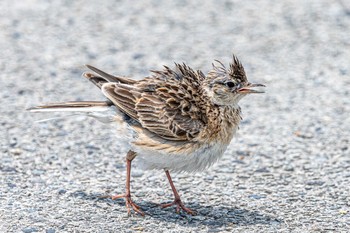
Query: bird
176,119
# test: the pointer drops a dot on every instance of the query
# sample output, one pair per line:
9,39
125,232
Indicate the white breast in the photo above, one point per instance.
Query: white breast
196,161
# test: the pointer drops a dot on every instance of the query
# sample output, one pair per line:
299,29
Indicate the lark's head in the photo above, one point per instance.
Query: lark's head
228,86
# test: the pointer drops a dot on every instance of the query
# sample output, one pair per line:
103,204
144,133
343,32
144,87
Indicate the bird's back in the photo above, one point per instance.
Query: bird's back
170,103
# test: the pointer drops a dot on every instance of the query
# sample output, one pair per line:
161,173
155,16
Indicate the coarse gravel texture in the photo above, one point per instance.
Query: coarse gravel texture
288,169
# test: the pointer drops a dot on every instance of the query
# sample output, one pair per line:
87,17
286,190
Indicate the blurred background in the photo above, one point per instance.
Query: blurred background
288,169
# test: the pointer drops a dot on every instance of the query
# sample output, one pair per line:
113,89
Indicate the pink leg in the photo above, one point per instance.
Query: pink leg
177,201
129,203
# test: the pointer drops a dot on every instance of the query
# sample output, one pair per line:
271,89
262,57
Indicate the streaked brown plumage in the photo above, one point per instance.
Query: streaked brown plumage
182,120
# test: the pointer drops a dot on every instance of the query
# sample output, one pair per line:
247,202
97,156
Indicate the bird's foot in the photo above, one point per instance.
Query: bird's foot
179,205
129,203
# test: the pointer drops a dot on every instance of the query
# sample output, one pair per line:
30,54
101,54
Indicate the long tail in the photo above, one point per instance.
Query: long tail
73,106
103,111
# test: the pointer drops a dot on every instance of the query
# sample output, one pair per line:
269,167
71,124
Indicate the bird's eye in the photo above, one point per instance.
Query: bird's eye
230,84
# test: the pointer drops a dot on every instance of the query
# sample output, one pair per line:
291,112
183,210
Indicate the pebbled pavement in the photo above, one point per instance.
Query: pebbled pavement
287,170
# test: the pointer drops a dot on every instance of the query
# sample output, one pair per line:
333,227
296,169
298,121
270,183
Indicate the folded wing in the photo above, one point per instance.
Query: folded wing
163,104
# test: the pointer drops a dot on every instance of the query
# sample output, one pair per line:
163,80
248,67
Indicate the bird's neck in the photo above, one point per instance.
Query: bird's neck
222,123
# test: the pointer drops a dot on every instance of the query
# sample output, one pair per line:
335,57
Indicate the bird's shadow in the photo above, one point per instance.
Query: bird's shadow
211,216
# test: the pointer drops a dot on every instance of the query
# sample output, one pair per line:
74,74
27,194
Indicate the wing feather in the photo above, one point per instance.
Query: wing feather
111,78
121,97
163,104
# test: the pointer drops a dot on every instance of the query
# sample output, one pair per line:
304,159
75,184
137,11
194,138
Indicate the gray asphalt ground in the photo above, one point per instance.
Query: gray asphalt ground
288,169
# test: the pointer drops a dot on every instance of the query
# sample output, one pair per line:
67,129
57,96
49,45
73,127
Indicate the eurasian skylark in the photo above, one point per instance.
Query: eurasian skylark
177,119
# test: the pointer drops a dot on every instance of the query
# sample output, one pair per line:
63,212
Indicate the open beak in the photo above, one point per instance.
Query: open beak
248,88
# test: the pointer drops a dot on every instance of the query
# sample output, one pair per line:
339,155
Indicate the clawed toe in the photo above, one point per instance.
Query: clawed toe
129,203
127,196
179,206
135,207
